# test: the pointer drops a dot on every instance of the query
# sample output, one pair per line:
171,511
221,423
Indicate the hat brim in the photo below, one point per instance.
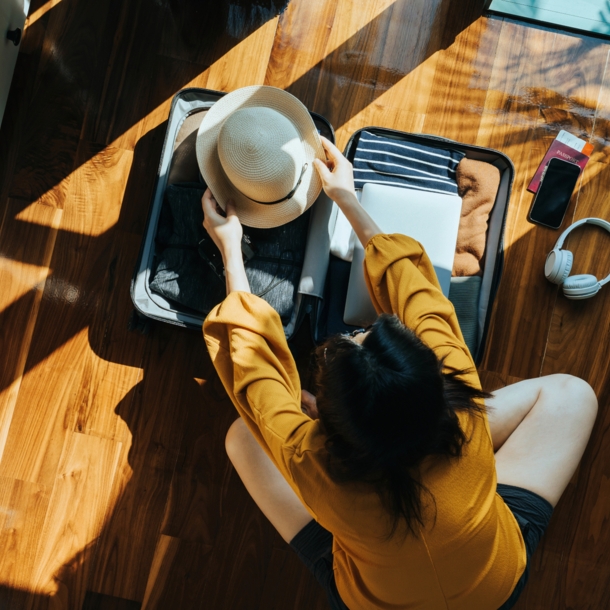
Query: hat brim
249,212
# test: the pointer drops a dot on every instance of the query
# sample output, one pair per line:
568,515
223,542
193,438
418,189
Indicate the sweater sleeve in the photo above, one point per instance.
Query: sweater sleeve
248,347
401,280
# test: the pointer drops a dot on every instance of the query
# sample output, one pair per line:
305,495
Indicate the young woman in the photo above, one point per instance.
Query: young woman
397,484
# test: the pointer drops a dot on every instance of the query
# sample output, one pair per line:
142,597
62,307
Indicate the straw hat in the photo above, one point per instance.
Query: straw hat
256,146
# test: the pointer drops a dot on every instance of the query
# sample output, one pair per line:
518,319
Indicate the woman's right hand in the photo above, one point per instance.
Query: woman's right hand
338,181
337,175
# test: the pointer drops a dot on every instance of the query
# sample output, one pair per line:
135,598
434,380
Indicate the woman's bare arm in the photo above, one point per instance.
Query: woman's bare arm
338,181
226,232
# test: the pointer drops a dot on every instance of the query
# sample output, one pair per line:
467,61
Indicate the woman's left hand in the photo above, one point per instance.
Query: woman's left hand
225,231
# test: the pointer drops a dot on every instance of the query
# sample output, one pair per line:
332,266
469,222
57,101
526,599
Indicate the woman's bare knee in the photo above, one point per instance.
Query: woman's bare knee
544,450
570,397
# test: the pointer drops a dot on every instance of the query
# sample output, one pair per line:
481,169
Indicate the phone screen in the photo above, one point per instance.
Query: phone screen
554,193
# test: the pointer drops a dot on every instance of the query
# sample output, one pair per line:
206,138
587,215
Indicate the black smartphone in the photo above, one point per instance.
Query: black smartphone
554,193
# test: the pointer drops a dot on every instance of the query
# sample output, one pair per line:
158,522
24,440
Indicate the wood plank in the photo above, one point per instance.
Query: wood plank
71,299
50,137
403,106
353,72
439,94
517,115
573,342
112,366
173,75
21,286
202,34
23,507
576,345
96,601
240,557
245,63
196,497
165,554
116,100
175,578
36,437
77,508
22,91
128,73
295,50
305,594
138,192
461,79
155,412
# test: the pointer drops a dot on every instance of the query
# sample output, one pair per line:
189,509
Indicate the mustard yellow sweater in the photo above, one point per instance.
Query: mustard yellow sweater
472,556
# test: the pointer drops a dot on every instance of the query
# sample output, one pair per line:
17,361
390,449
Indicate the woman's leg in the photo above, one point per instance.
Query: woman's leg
265,483
540,428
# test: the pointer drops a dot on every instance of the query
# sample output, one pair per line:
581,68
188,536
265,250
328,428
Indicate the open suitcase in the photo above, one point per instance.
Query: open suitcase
321,274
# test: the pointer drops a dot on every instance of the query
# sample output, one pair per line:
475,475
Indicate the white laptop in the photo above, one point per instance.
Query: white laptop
431,218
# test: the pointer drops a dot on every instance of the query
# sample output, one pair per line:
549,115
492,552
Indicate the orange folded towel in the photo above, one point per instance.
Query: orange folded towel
477,186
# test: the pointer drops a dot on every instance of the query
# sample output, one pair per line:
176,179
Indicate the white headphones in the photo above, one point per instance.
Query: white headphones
559,264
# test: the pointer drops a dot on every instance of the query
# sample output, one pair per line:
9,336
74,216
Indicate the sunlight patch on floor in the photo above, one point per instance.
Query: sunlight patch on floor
401,107
40,12
347,23
94,197
17,279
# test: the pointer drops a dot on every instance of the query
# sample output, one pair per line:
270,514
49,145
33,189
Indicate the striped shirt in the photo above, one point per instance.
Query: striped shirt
384,160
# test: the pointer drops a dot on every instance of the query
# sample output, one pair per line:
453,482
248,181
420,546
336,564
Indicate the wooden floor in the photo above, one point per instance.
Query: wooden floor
115,492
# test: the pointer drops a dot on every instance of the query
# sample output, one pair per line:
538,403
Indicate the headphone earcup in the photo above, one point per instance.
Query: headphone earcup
558,265
581,287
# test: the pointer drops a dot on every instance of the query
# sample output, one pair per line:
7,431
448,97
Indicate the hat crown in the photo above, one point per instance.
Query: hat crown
292,191
261,153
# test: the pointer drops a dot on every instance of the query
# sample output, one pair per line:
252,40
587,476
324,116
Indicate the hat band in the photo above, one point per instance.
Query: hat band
292,192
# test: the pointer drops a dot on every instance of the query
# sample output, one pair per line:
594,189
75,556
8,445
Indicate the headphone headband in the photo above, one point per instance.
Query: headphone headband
600,222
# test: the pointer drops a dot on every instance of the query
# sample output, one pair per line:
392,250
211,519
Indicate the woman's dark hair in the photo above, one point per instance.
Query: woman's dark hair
385,405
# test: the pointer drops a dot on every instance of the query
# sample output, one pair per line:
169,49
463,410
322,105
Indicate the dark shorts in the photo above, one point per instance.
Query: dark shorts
313,544
533,514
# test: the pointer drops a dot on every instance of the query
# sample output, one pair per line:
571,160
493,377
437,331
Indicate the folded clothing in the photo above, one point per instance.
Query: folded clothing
181,275
386,160
478,184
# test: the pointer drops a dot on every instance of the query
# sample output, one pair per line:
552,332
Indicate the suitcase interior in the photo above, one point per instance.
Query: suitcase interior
326,325
179,164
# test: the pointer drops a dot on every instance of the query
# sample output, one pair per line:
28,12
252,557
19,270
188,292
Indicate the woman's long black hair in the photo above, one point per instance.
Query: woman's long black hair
385,405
